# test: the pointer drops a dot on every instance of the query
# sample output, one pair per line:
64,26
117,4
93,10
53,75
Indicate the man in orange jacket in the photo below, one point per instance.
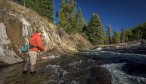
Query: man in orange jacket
35,43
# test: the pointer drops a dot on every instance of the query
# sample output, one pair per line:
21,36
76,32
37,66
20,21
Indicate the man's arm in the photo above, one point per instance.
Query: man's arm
39,43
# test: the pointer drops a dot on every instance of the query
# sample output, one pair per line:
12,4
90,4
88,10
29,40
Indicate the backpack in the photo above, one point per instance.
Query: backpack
24,48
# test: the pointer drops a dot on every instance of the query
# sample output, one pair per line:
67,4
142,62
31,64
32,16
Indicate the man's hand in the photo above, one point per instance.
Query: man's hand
46,48
23,57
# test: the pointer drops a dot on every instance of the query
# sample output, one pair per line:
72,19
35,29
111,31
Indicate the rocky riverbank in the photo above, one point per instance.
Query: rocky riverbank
134,50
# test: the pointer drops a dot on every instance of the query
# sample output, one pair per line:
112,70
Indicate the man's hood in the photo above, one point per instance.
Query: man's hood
36,34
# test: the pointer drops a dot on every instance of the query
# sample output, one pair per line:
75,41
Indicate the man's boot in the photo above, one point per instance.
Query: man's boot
32,69
25,68
26,65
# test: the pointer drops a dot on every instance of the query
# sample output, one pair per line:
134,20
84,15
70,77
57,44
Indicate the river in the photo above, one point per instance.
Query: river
88,67
125,68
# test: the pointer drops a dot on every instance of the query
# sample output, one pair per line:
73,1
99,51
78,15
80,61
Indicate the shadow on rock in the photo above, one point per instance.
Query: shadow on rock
97,75
135,69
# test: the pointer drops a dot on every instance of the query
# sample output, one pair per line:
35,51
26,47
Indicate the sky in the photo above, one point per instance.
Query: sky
116,13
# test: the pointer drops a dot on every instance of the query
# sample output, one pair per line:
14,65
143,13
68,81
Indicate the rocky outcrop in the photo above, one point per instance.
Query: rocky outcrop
7,53
17,23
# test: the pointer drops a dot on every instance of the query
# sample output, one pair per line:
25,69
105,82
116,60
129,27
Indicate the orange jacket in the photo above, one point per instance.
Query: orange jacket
36,40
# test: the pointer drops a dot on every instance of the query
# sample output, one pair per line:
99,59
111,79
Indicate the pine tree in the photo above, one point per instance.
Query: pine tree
106,41
67,16
122,35
135,33
62,15
71,16
73,20
80,21
49,10
63,4
128,35
108,34
43,7
116,37
62,18
95,30
22,2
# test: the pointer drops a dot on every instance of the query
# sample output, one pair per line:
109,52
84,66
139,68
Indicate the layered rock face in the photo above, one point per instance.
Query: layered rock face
7,53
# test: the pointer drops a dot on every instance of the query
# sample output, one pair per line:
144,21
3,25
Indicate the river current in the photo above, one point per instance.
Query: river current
88,67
